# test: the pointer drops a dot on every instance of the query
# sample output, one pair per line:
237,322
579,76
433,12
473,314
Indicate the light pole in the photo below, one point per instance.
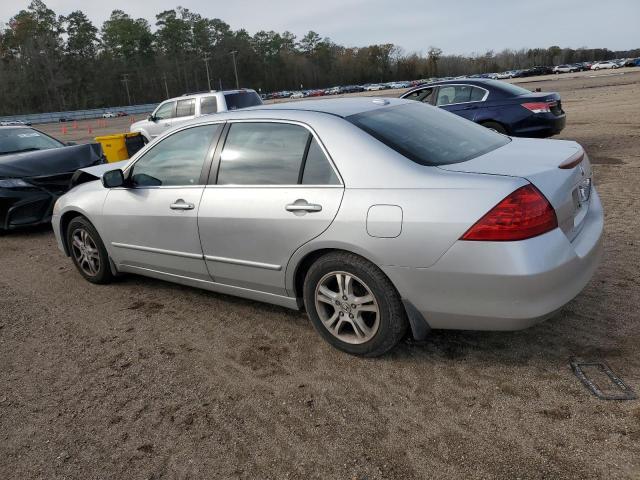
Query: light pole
166,88
235,68
206,63
125,80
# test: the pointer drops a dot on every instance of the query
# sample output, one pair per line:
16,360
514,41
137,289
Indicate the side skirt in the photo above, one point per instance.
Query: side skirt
283,301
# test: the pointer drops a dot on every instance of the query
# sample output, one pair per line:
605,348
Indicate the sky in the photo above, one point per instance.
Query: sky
457,27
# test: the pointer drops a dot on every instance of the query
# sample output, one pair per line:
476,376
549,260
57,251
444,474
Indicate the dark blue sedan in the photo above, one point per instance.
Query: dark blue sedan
506,108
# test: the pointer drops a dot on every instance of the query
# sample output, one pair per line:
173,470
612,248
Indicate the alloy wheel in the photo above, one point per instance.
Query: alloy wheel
347,307
85,252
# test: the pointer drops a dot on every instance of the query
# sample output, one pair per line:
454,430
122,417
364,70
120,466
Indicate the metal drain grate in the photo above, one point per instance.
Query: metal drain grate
610,386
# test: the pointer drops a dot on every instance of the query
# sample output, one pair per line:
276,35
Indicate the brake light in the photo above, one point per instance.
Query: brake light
525,213
537,107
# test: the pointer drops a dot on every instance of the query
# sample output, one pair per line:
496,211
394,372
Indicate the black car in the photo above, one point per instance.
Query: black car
505,107
35,169
537,70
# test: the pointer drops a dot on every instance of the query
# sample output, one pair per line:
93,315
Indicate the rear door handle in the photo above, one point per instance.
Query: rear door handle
181,205
303,206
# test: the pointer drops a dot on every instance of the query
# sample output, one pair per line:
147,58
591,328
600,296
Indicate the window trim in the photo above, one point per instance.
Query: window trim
206,166
486,94
215,165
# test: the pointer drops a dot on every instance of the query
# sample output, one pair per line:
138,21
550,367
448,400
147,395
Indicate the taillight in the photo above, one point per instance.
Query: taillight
537,107
525,213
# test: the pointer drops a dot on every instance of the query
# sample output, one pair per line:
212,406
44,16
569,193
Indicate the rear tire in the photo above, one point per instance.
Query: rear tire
353,305
88,252
498,127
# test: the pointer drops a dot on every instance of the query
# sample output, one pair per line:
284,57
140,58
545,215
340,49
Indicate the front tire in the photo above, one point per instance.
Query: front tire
353,305
88,252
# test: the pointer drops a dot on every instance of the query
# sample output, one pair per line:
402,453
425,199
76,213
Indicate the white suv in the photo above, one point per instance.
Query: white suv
176,111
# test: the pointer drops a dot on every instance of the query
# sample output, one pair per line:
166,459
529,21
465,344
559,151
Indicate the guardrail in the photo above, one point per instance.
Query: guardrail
50,117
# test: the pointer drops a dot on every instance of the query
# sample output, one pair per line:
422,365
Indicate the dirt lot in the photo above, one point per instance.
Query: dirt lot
147,380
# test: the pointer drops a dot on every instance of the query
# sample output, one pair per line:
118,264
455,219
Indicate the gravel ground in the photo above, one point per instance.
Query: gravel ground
143,379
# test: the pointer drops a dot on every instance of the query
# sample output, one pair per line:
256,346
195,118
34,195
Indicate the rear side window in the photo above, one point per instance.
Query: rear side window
186,108
242,100
427,135
317,169
424,95
208,105
477,94
453,94
262,154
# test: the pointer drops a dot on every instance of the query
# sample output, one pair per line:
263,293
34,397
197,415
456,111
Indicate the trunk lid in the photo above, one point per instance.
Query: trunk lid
538,161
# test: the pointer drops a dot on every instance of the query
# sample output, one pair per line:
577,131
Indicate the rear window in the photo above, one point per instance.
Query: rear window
242,100
510,88
427,135
15,140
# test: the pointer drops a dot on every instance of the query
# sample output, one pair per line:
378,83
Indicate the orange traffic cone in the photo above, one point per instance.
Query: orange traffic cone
75,125
89,130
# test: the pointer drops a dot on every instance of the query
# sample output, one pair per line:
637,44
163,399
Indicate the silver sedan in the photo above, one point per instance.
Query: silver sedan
378,216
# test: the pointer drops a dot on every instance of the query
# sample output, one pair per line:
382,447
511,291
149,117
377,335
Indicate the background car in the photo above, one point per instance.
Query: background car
373,87
109,115
604,65
514,233
35,169
565,69
179,110
502,106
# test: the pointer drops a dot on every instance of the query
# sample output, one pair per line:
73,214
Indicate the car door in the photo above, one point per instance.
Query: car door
160,121
275,190
152,223
463,100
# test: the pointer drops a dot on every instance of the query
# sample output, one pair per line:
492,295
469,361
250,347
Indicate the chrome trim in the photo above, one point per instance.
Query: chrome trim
196,256
244,263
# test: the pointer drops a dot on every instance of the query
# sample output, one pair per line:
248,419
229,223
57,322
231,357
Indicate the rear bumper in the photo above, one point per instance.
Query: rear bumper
504,285
539,125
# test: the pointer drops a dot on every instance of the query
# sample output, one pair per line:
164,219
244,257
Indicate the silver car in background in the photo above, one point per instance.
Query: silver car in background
375,215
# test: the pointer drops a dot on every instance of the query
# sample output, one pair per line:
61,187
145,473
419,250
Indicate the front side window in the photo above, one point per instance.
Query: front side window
176,160
427,135
424,95
208,105
166,110
186,108
263,154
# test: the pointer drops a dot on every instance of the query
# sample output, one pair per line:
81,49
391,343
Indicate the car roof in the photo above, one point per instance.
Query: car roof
341,107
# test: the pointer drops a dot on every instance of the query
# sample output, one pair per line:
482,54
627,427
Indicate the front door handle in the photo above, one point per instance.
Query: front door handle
303,206
181,205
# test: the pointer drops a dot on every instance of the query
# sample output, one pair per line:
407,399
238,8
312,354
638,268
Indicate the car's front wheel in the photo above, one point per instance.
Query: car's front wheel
88,252
353,305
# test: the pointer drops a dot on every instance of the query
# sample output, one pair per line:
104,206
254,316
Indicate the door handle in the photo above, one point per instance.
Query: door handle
303,206
181,205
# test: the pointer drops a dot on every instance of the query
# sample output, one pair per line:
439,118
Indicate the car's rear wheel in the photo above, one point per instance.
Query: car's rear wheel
88,252
498,127
353,305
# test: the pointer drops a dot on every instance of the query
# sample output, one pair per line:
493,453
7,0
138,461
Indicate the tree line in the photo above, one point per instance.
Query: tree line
51,62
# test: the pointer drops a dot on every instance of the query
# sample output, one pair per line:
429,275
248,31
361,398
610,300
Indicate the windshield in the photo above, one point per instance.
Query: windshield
427,135
22,139
242,100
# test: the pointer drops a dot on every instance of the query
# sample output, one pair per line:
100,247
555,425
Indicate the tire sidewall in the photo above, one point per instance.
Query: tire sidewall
383,299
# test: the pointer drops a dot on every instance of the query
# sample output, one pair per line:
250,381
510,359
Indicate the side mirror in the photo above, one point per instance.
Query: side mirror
151,118
113,179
